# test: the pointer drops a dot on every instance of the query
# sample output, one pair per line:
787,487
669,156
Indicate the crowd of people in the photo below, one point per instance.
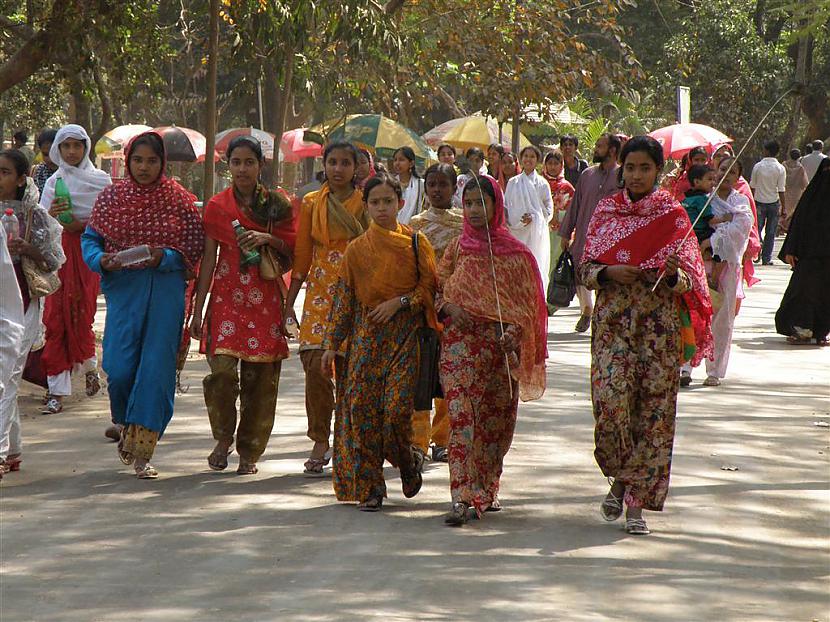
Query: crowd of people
388,261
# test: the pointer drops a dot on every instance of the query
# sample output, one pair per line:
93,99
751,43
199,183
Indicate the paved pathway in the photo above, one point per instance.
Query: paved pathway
82,540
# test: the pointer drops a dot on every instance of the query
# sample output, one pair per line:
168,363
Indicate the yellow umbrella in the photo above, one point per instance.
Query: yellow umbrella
112,143
473,131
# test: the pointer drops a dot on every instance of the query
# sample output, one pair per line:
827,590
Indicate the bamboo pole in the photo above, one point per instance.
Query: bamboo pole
210,129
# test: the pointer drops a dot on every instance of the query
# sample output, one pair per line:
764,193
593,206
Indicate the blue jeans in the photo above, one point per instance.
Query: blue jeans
767,226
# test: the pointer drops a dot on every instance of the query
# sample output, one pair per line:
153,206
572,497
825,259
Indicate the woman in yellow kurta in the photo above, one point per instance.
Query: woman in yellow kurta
383,297
329,219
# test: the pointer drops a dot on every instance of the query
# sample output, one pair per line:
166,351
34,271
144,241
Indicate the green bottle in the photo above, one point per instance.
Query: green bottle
249,258
62,192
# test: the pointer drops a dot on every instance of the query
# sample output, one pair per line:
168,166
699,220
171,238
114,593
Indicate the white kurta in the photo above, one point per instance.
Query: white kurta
11,316
414,197
729,243
530,194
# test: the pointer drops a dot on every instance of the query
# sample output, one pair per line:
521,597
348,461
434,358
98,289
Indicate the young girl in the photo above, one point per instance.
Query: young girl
146,301
329,219
475,163
243,334
561,192
70,312
383,296
40,241
509,169
365,169
440,224
529,210
414,196
446,154
637,341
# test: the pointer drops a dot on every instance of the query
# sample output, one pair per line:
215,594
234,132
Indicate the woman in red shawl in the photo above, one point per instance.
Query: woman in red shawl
639,336
482,398
242,333
145,301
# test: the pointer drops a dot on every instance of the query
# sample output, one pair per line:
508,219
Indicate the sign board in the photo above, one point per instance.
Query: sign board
684,104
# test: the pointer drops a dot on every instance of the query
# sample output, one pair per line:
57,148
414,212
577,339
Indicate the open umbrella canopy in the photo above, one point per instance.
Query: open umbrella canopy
112,144
473,131
294,147
678,139
266,139
183,144
374,132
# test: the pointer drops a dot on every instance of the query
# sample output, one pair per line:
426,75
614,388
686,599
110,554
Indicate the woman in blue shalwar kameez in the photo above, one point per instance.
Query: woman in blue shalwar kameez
146,301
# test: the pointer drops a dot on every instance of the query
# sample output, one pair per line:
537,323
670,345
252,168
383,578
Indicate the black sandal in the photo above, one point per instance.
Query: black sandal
372,504
411,484
457,516
217,461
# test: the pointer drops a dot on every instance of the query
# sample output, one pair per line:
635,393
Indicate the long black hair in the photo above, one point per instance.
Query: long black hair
647,145
409,154
154,142
245,141
447,170
380,180
345,146
21,167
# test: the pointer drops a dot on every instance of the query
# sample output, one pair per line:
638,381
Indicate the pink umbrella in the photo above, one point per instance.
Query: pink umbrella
294,148
680,138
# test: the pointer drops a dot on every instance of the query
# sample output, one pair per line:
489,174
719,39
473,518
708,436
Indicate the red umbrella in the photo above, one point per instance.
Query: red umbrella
183,144
294,148
266,139
680,138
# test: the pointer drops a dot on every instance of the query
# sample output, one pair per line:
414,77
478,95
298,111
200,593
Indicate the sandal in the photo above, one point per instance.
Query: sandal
611,507
372,504
636,527
314,466
93,383
799,341
418,459
13,462
218,461
411,484
247,468
147,471
457,516
440,454
113,432
495,506
125,456
711,381
53,406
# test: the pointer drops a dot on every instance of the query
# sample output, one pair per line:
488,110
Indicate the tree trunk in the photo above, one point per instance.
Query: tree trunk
517,121
210,121
788,140
280,111
106,103
79,106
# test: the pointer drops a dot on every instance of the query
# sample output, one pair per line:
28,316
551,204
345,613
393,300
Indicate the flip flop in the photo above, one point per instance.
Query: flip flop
218,461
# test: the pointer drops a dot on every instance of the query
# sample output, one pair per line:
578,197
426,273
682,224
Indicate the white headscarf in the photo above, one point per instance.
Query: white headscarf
83,181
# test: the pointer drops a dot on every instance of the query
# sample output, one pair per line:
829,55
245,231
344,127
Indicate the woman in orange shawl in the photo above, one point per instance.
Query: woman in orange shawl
383,297
482,398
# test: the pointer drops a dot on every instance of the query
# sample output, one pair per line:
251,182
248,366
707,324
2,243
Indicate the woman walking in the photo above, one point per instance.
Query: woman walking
485,277
636,342
329,220
146,300
385,293
414,195
242,331
804,314
39,241
561,192
69,195
796,183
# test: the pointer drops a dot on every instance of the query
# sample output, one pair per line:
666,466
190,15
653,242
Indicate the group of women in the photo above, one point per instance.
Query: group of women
373,286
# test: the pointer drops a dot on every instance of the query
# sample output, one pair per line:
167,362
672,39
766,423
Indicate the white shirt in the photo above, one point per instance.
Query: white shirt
530,194
810,163
11,315
769,177
414,197
730,238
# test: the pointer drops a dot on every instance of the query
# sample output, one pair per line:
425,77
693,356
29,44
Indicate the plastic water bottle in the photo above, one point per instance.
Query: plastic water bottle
10,224
249,258
62,192
133,255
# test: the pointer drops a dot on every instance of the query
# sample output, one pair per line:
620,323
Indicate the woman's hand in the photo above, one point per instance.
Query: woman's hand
289,314
109,263
527,219
196,325
509,342
59,205
623,274
252,240
327,363
19,246
385,310
458,316
792,260
672,264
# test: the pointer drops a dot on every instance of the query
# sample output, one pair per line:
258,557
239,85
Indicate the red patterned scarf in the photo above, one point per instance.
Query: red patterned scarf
161,215
645,233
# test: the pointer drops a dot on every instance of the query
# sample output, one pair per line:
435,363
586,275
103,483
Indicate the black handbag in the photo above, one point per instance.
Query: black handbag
562,286
427,384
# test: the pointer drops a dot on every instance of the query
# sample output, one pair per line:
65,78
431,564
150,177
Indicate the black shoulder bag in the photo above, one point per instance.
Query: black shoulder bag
427,385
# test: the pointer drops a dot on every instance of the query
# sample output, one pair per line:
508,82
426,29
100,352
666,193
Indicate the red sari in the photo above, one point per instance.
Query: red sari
244,315
70,312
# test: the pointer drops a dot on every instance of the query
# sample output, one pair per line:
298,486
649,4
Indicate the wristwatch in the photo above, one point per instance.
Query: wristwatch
405,301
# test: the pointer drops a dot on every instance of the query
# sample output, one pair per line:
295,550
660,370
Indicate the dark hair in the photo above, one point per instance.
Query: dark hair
497,148
245,141
554,155
409,154
21,166
345,146
21,135
698,171
485,184
795,154
379,180
154,142
568,138
446,146
696,151
532,148
366,153
511,155
615,142
447,170
738,166
646,144
771,147
46,136
818,145
474,151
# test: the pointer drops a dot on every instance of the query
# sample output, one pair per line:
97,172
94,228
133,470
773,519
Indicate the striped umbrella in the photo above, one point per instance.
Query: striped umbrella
376,133
473,131
266,139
